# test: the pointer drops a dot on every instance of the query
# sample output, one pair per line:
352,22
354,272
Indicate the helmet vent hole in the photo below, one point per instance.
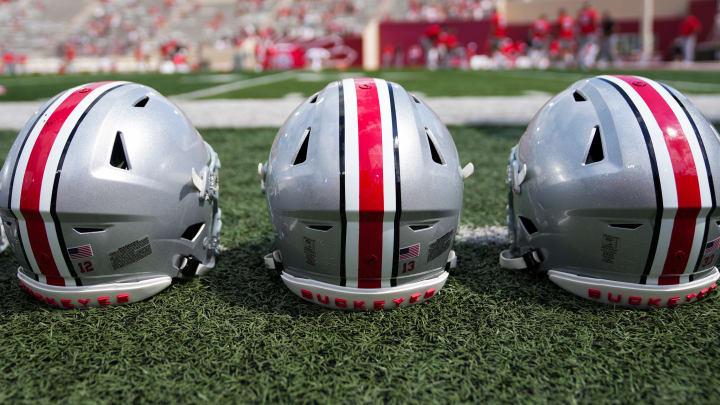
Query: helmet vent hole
142,102
322,228
529,226
88,230
314,98
302,153
433,150
595,153
578,96
193,231
415,98
118,157
419,227
625,226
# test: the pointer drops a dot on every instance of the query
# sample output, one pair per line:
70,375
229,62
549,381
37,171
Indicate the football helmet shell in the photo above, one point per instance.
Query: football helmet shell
613,193
107,194
364,187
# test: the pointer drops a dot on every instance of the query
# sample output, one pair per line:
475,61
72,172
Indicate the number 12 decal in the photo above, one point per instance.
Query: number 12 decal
85,267
409,266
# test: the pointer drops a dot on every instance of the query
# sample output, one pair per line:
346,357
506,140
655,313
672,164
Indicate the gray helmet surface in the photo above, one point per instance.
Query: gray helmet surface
364,187
107,194
612,192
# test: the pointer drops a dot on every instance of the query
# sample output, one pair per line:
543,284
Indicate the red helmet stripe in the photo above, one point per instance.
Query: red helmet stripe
32,190
687,184
372,208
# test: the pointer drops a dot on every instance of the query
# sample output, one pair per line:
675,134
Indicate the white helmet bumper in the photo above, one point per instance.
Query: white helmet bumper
362,299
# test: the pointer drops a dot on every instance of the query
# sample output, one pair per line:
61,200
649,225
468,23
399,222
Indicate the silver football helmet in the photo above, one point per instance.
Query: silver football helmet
107,194
364,187
612,192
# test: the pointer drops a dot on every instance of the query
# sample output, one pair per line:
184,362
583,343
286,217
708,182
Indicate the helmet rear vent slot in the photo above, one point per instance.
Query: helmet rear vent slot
142,102
626,226
302,153
595,152
321,228
529,226
579,96
193,231
433,150
415,98
314,98
118,157
82,230
419,227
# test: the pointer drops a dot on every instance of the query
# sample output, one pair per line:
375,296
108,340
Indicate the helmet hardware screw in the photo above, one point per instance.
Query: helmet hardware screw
680,255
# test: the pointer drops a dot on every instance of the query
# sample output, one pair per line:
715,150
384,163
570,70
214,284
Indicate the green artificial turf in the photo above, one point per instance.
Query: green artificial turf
238,335
37,87
434,84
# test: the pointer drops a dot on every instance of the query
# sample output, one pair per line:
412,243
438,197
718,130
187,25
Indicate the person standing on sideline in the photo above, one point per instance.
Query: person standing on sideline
608,49
588,21
498,30
539,42
689,29
565,36
540,33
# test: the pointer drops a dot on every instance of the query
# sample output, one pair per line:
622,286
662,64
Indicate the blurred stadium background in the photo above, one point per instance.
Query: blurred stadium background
63,36
505,58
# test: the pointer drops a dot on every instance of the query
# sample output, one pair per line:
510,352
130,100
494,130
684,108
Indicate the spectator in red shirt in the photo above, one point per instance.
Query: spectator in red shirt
588,20
565,34
387,55
498,29
689,29
588,27
565,26
430,36
540,32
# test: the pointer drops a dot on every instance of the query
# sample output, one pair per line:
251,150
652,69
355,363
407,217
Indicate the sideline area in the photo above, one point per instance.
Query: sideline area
255,113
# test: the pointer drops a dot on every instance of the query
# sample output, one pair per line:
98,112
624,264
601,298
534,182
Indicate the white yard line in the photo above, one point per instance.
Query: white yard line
253,113
693,86
484,235
240,84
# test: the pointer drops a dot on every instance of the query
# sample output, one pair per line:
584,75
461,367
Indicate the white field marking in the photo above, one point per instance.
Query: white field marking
692,86
484,235
325,77
293,96
537,93
560,76
222,113
218,78
240,84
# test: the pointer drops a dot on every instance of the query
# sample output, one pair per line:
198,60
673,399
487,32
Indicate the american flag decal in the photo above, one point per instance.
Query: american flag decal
80,252
409,252
712,246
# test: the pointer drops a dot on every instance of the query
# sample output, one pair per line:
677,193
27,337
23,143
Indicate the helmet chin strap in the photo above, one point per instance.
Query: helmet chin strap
207,184
530,260
513,258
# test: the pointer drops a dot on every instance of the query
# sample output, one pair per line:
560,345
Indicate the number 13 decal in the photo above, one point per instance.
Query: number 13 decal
409,266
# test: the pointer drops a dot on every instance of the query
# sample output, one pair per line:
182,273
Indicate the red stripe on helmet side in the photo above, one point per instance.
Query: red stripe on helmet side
686,180
32,184
370,169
